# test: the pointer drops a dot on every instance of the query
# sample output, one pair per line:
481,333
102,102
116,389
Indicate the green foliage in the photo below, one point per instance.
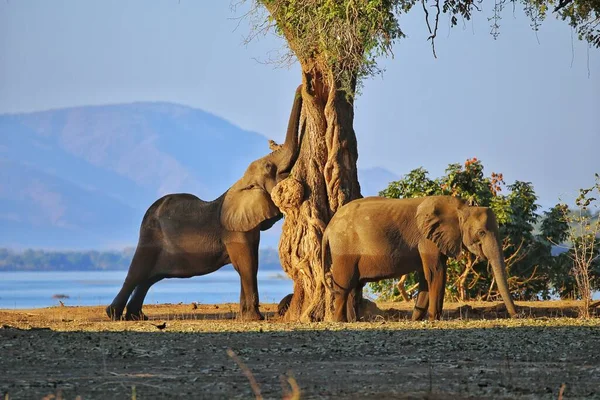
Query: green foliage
468,183
553,231
529,257
584,16
415,184
344,38
554,226
465,181
583,263
387,289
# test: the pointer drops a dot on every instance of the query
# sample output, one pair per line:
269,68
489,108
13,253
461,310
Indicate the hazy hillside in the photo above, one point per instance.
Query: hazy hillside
374,180
82,178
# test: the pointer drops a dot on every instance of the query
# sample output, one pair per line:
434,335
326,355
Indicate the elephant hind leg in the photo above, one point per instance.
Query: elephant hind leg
134,306
341,305
355,298
142,263
115,309
345,279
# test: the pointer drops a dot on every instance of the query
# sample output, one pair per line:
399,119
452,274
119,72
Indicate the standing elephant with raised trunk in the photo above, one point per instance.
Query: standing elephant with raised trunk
183,236
377,238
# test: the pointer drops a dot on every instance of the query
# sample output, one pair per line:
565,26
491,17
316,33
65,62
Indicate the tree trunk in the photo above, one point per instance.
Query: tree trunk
461,286
462,283
323,179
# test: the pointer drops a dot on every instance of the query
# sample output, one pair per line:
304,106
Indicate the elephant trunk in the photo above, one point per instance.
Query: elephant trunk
494,255
287,154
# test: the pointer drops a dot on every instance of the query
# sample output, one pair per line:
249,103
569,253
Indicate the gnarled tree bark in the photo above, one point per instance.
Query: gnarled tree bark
323,179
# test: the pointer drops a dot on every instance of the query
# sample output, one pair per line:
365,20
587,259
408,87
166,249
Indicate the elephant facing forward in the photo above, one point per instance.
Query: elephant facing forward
376,238
183,236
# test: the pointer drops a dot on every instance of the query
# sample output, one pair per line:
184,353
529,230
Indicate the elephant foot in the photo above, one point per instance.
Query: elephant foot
251,316
514,314
114,313
135,316
435,316
284,304
418,314
339,316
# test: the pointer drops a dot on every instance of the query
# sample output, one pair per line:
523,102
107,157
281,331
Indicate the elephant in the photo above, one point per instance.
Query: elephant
376,238
183,236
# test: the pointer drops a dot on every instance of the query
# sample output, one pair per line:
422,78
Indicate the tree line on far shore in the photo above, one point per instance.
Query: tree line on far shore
90,260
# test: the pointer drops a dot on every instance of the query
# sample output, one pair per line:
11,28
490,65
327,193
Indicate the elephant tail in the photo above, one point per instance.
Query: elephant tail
326,262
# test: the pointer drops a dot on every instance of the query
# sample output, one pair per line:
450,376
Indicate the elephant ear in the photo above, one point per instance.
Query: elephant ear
246,208
439,220
267,224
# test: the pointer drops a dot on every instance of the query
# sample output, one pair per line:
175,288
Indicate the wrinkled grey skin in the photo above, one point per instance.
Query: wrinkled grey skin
183,236
376,238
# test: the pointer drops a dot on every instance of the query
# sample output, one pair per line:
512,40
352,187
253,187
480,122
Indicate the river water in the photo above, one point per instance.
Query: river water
90,288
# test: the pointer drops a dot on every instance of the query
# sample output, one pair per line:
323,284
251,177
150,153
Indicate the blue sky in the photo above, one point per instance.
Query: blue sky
517,104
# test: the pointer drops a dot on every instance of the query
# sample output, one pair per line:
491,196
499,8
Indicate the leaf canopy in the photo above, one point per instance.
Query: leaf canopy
344,38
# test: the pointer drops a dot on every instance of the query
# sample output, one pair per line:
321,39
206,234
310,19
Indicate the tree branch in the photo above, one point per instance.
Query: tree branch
432,33
562,4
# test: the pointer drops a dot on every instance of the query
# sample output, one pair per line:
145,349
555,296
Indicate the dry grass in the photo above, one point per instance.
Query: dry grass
223,318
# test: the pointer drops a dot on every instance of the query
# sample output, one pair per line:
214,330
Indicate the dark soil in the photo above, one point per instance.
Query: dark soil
76,351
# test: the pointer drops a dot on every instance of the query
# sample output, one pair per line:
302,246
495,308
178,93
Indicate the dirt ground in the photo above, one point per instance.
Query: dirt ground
475,352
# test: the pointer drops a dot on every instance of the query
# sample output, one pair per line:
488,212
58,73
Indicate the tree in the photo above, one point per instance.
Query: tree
584,228
337,43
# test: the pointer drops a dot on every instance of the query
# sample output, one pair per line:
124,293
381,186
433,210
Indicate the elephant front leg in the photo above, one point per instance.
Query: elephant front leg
249,304
245,261
422,301
437,290
437,284
443,270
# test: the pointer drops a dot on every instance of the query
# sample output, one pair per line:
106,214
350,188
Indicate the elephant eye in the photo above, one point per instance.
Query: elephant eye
249,187
481,233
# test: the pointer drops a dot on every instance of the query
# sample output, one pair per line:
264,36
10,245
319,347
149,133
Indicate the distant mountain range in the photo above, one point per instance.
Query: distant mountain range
82,178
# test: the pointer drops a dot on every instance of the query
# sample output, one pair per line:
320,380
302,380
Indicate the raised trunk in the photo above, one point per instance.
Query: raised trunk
323,179
286,155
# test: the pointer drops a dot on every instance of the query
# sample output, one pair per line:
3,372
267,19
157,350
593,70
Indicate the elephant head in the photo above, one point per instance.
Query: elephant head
451,224
247,204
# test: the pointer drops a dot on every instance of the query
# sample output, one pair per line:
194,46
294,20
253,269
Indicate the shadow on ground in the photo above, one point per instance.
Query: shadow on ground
388,362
